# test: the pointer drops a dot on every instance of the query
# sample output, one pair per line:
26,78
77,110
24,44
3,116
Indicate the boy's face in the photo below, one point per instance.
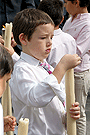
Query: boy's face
3,81
71,7
40,43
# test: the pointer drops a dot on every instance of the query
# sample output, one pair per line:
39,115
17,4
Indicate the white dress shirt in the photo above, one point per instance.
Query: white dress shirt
1,121
33,93
79,28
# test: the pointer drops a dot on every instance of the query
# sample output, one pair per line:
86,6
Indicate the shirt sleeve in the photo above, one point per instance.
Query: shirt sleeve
32,92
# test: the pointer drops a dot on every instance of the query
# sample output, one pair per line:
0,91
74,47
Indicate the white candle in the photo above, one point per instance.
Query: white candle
70,99
23,126
6,99
8,30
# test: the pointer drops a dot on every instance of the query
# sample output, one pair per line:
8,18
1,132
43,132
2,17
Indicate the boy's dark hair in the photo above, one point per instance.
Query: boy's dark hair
54,8
6,62
27,20
83,3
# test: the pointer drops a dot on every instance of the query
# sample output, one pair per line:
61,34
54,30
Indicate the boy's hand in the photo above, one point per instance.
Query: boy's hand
75,111
9,123
70,61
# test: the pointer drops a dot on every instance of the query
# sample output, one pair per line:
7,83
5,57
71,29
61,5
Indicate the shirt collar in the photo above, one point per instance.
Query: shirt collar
57,32
82,16
29,59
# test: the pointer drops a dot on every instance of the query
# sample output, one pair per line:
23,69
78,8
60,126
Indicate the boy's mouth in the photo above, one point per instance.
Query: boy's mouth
48,50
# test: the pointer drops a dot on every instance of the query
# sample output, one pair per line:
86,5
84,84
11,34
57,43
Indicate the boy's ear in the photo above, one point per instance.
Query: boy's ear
23,38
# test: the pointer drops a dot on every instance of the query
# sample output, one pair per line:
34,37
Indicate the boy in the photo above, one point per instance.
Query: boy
35,93
62,43
6,67
78,26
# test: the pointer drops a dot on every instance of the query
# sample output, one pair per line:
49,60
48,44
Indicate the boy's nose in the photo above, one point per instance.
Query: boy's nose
49,42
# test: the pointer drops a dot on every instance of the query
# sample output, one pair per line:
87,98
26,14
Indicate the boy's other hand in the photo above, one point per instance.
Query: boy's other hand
75,111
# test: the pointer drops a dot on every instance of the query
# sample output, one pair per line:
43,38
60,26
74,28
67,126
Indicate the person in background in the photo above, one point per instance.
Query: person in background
8,10
6,67
78,26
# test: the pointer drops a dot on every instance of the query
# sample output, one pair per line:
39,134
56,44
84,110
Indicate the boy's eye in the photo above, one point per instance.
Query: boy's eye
43,37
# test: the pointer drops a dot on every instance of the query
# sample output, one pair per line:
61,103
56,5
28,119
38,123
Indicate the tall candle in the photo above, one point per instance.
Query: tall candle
6,99
70,99
23,126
